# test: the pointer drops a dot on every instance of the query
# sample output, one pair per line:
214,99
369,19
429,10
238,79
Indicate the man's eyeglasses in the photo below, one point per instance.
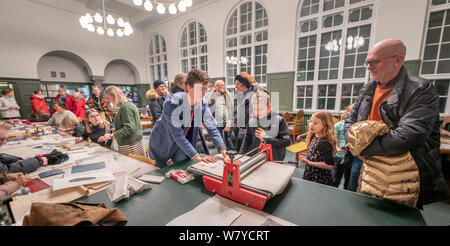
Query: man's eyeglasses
374,63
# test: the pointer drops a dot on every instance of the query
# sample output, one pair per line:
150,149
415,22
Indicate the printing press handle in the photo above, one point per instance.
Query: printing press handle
231,154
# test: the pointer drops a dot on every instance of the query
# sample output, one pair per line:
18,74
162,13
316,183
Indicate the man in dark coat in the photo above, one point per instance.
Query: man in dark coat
156,97
410,107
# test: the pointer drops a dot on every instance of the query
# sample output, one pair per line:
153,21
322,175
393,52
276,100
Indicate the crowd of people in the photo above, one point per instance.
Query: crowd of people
241,121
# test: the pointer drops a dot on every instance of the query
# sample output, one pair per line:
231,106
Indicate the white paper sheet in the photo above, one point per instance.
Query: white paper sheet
210,213
82,179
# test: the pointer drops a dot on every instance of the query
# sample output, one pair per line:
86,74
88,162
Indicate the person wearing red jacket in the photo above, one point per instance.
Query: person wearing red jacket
79,105
38,102
68,99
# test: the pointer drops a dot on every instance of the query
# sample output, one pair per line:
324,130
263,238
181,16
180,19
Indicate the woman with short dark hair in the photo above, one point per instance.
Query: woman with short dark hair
9,108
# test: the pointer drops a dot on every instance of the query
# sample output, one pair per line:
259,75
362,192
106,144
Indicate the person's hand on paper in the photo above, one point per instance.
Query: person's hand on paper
19,178
207,159
22,179
78,139
44,161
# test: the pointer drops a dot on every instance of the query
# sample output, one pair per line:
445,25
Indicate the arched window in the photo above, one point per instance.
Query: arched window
436,51
193,47
157,52
246,35
333,39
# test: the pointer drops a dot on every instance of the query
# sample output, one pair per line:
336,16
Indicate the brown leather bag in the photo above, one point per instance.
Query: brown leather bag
395,178
73,214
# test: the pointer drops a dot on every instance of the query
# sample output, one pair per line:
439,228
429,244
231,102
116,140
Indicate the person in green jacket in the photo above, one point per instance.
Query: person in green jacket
128,129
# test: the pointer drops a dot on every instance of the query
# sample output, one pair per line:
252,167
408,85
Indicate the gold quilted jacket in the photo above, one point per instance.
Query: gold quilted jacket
394,178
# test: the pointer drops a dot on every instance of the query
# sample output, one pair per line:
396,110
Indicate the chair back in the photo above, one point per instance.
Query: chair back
335,120
287,117
298,122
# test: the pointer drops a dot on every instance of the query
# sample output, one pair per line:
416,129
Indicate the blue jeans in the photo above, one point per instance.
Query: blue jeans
354,174
225,136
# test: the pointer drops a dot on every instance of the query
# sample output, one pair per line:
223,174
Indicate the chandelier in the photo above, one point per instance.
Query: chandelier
161,6
352,43
110,25
237,60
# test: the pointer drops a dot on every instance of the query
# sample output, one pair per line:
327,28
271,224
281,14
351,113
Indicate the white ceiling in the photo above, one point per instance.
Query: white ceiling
137,15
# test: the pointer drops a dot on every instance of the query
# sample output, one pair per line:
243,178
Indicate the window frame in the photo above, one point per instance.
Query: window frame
344,27
164,64
435,76
252,45
198,45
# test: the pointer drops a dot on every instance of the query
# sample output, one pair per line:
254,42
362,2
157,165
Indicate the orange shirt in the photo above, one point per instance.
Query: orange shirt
379,97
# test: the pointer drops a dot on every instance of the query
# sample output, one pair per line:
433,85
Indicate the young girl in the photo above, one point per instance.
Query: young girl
70,125
322,149
96,128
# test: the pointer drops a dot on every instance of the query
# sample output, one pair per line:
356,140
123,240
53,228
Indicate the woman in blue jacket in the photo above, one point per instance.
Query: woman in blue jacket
175,134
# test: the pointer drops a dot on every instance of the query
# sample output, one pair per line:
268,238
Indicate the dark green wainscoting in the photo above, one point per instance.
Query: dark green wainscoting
22,90
282,83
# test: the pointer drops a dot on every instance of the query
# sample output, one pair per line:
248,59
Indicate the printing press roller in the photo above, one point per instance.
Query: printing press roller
230,185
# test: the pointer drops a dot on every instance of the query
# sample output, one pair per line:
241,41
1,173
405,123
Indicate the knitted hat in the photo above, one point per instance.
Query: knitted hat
157,83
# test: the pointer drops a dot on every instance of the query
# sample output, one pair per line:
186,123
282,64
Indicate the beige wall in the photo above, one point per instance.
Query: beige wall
34,29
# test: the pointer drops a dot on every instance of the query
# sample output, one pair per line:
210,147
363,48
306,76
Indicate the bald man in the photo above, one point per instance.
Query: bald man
221,105
410,107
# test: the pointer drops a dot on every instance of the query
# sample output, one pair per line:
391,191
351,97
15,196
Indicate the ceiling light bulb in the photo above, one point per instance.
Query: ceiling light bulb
91,28
128,27
137,2
119,33
188,3
89,18
182,6
98,18
161,9
110,20
172,9
148,6
100,30
120,22
83,22
110,32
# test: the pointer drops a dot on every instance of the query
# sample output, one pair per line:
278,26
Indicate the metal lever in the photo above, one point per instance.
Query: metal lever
231,154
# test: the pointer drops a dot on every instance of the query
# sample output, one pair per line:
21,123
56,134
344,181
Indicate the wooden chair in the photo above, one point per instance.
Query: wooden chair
297,127
335,120
287,118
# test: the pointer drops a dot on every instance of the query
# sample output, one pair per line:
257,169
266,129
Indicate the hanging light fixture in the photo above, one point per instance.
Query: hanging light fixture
107,23
173,7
